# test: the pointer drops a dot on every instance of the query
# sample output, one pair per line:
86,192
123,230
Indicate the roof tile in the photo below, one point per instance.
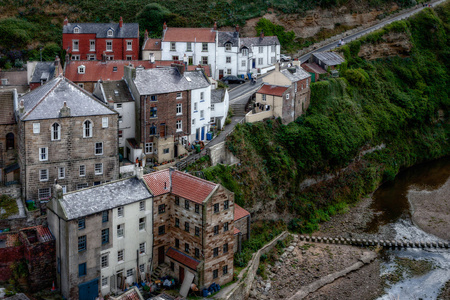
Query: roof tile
183,258
274,90
199,35
239,212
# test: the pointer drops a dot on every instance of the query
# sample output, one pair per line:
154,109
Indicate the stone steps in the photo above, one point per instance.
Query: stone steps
157,272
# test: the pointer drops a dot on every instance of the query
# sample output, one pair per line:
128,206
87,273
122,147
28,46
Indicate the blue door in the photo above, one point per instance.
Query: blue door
203,133
88,290
254,63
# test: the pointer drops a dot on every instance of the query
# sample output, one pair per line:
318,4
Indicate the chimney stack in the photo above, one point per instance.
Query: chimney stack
21,107
146,35
120,22
215,25
237,28
180,67
164,26
56,61
261,35
66,21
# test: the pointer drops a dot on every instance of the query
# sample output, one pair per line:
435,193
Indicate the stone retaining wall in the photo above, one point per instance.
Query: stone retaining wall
246,277
367,243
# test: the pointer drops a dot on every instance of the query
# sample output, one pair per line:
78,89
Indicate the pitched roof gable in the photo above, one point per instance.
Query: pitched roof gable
295,73
182,258
128,30
152,44
7,107
274,90
46,101
239,212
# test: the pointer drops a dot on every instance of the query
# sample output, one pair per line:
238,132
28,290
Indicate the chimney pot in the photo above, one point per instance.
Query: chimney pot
120,22
215,25
164,26
237,28
261,35
146,35
66,21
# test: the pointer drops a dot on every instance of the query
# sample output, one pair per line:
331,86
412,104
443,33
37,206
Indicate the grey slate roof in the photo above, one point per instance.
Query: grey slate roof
43,70
299,73
117,90
329,58
217,95
228,36
102,197
128,30
168,80
46,101
257,41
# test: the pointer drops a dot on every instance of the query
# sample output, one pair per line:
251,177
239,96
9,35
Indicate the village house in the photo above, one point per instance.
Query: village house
193,227
65,134
90,41
314,69
172,109
104,237
225,52
242,221
285,94
220,104
9,168
14,80
326,60
117,95
151,49
40,72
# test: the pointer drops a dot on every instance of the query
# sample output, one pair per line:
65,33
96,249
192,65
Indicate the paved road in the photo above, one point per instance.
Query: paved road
359,34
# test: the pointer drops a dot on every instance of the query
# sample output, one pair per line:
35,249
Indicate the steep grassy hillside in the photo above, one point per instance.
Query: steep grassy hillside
28,25
399,104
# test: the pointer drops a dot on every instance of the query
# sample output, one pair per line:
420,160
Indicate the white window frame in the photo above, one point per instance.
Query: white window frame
76,30
98,169
43,154
212,107
105,122
36,128
273,48
129,45
188,47
46,191
193,121
243,63
142,206
287,96
98,148
202,114
264,97
130,272
91,57
195,106
228,47
87,129
202,96
205,60
120,230
121,254
148,147
110,32
142,247
64,189
229,71
228,60
104,281
179,109
179,125
56,134
43,175
82,170
173,46
109,45
61,173
120,211
91,45
204,47
81,69
75,45
245,51
261,49
142,222
104,261
75,57
260,61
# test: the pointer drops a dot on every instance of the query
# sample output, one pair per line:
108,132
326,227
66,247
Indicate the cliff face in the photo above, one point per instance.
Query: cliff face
393,44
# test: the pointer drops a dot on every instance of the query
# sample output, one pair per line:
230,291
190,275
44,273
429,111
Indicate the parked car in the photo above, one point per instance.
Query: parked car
284,57
232,79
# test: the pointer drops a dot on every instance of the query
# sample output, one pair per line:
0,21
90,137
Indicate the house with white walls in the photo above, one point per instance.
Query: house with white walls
104,237
257,53
200,113
220,104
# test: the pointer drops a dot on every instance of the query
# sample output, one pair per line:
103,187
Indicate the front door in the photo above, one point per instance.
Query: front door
197,134
220,74
128,153
88,290
161,255
181,274
175,149
203,133
254,63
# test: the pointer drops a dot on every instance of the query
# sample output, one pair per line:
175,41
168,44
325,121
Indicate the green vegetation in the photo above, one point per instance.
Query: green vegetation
8,207
261,234
400,102
407,268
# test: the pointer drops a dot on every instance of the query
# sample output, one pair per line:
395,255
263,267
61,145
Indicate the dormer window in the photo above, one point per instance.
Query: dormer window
228,47
110,32
81,69
245,51
76,30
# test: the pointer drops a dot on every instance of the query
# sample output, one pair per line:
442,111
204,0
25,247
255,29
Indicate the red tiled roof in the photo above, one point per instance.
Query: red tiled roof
239,212
183,258
131,294
43,233
199,35
274,90
156,182
314,68
191,187
236,231
152,44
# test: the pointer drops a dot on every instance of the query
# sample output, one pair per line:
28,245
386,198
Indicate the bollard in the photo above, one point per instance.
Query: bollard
325,240
428,244
434,244
389,244
313,239
302,238
446,245
422,244
353,241
440,245
307,238
319,239
417,244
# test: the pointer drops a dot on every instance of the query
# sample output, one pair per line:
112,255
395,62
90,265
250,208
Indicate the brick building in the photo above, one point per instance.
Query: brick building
89,41
193,226
172,109
65,134
8,138
33,246
41,72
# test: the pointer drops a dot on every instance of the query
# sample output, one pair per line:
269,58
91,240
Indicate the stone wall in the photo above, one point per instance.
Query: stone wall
8,256
219,154
246,277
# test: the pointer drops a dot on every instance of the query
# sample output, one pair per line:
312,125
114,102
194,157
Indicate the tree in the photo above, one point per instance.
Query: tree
152,18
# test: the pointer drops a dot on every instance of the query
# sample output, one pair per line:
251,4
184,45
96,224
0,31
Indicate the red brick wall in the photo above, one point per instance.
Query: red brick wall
7,257
119,46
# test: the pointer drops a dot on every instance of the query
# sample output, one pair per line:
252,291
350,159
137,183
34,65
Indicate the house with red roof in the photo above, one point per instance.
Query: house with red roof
241,226
151,49
92,41
193,226
285,94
